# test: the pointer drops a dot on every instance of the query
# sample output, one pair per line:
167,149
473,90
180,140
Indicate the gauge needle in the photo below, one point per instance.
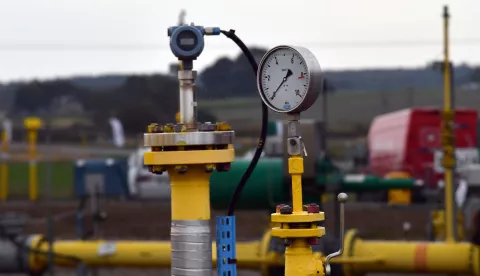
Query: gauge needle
288,74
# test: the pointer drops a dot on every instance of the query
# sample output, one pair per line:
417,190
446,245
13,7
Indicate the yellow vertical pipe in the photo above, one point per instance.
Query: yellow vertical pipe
32,155
190,193
449,179
299,259
295,167
4,168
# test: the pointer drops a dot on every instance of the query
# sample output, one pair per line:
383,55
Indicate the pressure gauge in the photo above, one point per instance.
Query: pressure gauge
289,79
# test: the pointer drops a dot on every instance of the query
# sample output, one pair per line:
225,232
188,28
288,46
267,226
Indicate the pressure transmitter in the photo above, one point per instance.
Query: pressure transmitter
289,79
186,41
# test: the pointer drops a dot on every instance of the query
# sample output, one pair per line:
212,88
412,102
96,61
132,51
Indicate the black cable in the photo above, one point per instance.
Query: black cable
263,133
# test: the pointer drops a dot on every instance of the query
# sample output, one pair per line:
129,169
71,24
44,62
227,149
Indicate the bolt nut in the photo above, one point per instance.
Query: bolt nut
223,127
279,206
155,169
293,142
207,127
286,210
178,128
209,168
155,128
181,169
169,128
313,208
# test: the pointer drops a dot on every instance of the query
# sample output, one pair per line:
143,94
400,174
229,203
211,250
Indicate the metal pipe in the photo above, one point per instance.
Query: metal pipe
142,254
188,100
4,167
359,257
32,166
450,212
411,257
190,230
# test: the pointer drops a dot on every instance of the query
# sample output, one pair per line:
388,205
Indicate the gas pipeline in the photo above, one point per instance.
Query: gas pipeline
289,80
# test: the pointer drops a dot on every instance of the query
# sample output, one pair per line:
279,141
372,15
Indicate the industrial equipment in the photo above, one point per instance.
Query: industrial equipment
190,152
289,81
103,177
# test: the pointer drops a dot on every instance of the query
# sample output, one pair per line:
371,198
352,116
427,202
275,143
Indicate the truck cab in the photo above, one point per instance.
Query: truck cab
409,140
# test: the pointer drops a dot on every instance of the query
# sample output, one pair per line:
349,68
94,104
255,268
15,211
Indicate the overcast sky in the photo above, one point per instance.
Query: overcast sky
50,38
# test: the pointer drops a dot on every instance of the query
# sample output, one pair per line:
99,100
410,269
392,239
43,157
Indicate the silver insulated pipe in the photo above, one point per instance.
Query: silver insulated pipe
191,244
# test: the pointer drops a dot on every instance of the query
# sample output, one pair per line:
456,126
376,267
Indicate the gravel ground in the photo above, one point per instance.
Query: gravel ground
151,221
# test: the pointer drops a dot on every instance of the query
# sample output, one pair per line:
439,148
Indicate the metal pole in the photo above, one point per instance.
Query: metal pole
33,181
4,167
48,195
448,139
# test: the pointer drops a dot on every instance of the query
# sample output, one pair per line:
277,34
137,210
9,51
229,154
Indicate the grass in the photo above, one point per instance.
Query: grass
61,179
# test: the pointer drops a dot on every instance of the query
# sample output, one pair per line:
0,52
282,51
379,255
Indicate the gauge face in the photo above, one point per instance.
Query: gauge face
285,79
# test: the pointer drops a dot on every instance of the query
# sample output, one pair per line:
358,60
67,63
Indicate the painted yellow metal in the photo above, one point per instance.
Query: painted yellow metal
141,254
447,135
298,217
299,260
4,168
399,196
191,192
298,233
295,169
409,257
298,227
32,124
190,157
359,257
438,222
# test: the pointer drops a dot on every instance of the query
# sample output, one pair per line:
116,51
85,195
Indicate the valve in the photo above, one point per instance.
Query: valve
342,198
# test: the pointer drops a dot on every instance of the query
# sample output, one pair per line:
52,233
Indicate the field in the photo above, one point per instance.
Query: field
61,178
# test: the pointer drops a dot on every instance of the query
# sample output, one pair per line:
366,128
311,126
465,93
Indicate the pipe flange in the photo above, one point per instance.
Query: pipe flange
196,138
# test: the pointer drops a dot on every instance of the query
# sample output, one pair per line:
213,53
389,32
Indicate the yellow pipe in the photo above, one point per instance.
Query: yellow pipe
190,193
410,257
32,154
450,235
4,168
131,254
295,164
360,256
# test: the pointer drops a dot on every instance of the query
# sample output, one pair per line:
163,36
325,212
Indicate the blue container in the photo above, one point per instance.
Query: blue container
107,177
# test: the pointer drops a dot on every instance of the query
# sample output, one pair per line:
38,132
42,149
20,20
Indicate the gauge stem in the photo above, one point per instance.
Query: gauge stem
188,101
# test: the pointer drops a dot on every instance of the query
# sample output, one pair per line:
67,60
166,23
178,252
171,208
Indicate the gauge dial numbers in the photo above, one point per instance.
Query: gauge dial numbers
289,79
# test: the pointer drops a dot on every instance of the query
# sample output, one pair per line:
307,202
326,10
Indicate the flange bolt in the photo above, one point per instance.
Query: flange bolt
313,208
286,210
279,206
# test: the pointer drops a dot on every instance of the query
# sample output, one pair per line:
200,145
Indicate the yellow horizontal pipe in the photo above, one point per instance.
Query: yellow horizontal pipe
130,254
413,257
360,256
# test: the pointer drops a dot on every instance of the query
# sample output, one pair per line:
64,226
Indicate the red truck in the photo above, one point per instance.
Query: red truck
409,141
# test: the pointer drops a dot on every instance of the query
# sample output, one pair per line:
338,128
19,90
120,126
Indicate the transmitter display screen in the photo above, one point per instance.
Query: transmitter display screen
187,41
